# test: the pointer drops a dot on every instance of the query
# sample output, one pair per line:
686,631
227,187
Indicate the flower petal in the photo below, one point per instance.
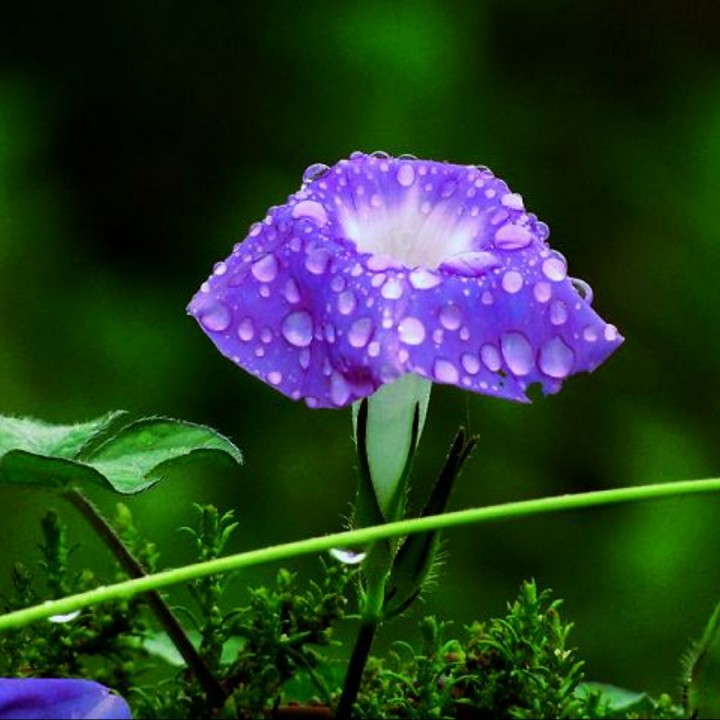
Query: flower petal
31,698
379,267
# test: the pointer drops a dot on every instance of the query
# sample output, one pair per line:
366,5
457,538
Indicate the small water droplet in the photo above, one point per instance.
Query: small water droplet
554,269
215,317
611,333
346,302
513,200
275,377
411,331
292,291
392,289
66,618
246,329
314,172
470,363
297,329
380,154
583,290
517,352
304,358
450,317
265,269
310,209
490,357
556,358
339,389
359,333
220,268
445,371
317,261
406,175
512,282
337,284
590,334
512,237
542,292
347,556
424,279
558,312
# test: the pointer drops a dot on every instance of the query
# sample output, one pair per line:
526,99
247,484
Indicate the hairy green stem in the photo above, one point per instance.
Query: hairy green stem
352,538
133,567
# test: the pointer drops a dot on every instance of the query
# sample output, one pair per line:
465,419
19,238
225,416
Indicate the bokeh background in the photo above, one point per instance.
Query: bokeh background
138,141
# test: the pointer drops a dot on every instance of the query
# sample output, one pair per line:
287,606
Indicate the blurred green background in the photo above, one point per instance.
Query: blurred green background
138,141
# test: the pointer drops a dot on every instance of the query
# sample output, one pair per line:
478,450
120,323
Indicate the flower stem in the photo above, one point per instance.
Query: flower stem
216,695
352,538
359,657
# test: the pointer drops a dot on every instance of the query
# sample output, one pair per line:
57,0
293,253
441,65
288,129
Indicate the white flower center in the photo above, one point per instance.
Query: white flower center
412,231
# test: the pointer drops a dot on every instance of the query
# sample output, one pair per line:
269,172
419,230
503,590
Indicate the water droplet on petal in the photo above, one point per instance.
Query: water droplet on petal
556,358
424,279
348,557
292,291
451,317
542,292
583,290
517,352
297,329
220,268
339,389
558,312
445,371
275,377
346,302
317,261
359,333
513,200
470,363
265,269
246,329
310,209
314,172
490,357
215,317
590,334
392,289
406,175
304,358
411,331
554,269
512,237
512,282
611,333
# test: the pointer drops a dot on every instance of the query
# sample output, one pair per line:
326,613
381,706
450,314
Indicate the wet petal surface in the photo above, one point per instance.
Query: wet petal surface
383,266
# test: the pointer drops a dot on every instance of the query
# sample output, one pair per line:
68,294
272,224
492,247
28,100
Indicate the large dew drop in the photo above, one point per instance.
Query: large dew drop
411,331
517,352
297,329
556,358
215,317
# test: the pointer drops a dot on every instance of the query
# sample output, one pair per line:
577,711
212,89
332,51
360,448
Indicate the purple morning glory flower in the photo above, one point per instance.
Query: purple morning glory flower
382,266
32,698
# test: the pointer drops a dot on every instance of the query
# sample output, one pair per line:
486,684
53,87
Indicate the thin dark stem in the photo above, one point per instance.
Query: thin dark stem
164,614
359,657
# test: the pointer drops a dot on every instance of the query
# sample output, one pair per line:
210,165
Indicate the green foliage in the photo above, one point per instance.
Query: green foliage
103,642
273,652
126,458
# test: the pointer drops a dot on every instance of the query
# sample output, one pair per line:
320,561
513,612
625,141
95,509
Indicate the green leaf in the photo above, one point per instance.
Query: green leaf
127,460
136,457
25,468
63,441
